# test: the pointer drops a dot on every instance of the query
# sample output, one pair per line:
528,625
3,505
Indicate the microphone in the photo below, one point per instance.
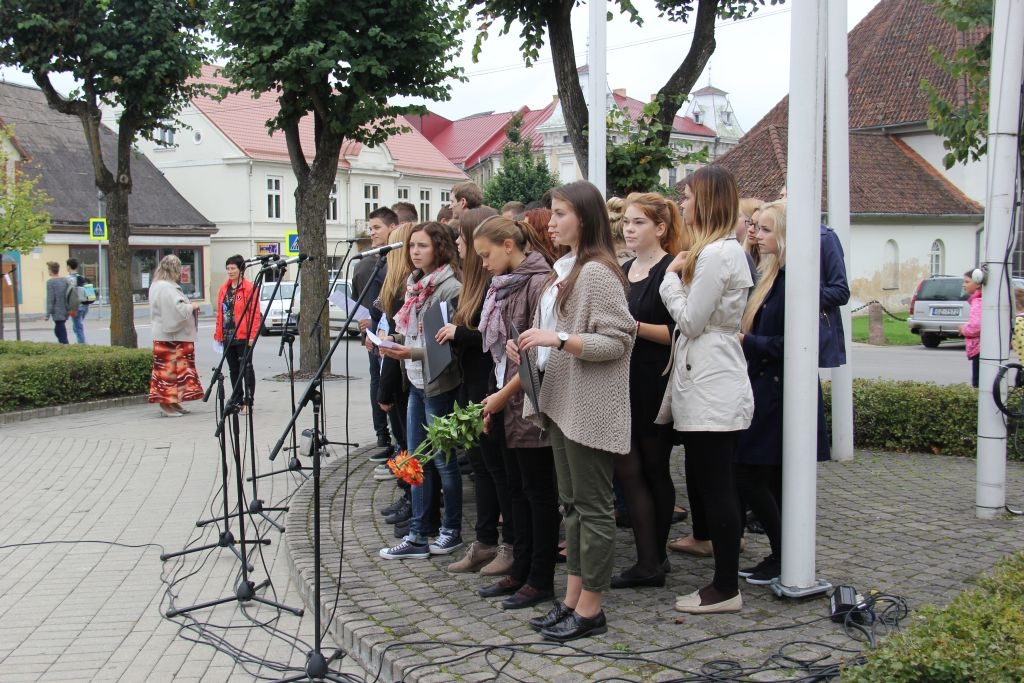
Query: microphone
262,259
379,250
351,240
284,263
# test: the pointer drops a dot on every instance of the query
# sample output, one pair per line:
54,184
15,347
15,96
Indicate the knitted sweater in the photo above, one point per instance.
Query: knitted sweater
587,396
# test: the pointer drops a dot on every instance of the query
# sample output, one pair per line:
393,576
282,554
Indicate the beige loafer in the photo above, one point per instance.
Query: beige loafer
691,604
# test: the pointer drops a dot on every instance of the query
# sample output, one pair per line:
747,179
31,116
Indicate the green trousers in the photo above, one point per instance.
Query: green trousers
585,493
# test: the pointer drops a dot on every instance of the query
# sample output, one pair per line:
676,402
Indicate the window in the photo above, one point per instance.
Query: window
165,133
371,199
698,114
403,194
274,196
565,140
446,197
937,258
144,261
673,177
425,213
332,205
891,267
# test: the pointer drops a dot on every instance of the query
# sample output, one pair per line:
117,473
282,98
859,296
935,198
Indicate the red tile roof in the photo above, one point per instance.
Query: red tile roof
886,175
242,118
888,58
682,124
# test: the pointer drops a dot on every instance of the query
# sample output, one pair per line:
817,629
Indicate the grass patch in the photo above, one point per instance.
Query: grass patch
896,331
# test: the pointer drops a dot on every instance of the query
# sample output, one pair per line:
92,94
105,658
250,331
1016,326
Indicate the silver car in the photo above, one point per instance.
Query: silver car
275,308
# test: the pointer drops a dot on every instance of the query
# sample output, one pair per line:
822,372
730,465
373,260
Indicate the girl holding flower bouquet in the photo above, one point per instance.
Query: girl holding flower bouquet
432,260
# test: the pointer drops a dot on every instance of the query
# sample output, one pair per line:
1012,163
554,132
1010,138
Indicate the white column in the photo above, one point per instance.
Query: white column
837,130
597,97
800,395
1003,159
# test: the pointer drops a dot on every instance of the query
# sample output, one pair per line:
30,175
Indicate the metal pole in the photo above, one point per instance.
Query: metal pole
1003,161
837,131
597,98
99,252
800,390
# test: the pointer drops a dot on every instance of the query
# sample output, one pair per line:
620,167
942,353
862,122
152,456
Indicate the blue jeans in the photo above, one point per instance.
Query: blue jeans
78,323
421,411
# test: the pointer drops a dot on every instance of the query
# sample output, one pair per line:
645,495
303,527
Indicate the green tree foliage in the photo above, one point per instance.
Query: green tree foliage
539,20
963,124
523,176
24,221
635,163
337,63
135,55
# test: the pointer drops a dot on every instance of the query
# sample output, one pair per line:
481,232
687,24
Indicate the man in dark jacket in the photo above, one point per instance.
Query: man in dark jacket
380,223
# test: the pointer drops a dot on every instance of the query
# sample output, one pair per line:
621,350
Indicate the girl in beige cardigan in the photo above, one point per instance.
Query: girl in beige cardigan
583,337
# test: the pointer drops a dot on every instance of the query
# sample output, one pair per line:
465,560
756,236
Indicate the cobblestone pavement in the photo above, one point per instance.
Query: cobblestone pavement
901,524
80,608
76,607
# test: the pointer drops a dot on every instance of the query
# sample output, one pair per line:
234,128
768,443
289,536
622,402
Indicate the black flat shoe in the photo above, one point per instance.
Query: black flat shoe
554,615
574,626
652,581
527,596
507,586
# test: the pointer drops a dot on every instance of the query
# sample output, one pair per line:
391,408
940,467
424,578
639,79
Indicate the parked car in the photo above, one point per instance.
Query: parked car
275,309
939,307
339,315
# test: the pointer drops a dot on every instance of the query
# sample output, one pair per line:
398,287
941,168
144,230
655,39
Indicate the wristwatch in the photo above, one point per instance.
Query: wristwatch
562,338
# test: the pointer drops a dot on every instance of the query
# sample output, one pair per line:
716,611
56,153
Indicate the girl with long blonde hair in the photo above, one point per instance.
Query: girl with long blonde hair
708,400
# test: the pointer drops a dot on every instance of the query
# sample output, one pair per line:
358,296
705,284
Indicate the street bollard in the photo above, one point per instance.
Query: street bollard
876,330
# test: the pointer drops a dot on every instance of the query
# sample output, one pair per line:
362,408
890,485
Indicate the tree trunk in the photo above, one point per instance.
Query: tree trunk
311,199
680,83
122,309
570,94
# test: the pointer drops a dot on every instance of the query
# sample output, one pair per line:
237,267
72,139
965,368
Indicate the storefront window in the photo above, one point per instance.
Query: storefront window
146,259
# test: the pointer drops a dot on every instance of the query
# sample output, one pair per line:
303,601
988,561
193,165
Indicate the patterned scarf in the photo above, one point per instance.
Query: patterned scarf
493,327
416,294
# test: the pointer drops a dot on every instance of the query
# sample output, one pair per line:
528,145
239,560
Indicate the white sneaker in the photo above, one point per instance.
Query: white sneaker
446,544
405,550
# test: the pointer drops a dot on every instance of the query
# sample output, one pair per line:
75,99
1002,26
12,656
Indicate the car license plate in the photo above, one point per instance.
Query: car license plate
946,311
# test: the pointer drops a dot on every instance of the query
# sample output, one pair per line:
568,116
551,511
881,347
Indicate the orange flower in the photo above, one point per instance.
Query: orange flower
407,468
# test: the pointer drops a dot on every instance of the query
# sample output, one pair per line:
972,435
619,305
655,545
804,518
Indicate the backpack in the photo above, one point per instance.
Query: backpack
73,300
86,290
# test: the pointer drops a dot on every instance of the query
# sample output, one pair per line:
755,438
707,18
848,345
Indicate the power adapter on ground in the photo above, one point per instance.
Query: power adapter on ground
845,603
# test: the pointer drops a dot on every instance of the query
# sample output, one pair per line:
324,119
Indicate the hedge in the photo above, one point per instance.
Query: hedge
38,374
977,637
915,417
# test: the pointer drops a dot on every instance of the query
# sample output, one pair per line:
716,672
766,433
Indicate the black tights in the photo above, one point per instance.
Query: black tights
761,489
650,495
709,463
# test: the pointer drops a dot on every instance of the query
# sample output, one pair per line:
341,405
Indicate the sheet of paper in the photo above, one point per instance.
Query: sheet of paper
444,311
347,305
218,347
377,341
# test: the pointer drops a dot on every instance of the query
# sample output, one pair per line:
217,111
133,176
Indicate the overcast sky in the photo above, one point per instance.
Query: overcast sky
751,62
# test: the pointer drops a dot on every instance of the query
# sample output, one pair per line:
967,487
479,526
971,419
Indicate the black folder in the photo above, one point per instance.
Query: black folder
527,377
436,357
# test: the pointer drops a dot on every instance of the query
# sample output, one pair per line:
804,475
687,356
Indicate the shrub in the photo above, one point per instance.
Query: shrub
913,416
37,374
977,637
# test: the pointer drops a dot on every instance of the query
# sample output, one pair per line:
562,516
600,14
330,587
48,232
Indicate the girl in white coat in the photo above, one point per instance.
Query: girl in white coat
708,398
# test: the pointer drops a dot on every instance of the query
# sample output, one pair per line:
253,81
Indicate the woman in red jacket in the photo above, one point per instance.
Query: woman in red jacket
238,322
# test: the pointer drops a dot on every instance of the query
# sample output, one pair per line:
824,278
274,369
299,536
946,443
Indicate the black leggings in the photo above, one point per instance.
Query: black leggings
711,481
761,489
650,496
234,353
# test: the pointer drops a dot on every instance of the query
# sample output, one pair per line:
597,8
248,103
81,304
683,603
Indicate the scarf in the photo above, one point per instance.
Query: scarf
417,292
493,326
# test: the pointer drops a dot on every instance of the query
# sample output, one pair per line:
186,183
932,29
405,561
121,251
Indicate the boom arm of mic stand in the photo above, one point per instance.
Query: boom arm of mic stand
318,376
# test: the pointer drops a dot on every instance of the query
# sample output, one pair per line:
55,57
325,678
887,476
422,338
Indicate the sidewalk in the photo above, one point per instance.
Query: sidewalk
92,611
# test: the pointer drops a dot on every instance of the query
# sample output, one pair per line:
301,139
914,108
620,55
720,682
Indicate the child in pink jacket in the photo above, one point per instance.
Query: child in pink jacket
971,330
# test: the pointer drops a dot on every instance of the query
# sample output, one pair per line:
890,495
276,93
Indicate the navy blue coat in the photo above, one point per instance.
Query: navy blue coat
835,292
761,443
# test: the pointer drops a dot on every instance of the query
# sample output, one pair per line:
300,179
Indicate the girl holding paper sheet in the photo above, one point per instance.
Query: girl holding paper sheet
432,260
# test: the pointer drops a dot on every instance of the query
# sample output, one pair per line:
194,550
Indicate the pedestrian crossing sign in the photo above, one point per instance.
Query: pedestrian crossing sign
98,229
291,241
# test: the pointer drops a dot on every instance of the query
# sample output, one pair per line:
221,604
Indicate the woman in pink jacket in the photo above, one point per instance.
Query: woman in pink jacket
971,330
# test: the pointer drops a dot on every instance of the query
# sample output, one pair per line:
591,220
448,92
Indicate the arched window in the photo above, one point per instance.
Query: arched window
891,268
937,258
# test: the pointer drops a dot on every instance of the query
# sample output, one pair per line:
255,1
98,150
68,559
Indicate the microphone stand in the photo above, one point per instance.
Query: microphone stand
226,538
246,589
317,666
